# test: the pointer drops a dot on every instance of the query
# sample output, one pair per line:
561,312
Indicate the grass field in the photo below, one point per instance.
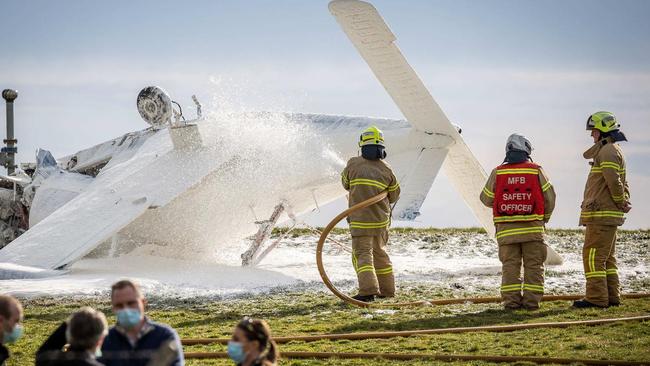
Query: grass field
305,309
319,312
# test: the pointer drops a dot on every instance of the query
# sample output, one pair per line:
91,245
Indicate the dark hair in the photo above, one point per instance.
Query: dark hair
85,328
7,305
124,284
258,330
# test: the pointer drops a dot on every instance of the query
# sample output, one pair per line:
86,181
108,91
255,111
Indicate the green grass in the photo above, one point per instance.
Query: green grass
310,313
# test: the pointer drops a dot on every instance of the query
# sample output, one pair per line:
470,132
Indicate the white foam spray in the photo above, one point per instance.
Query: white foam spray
266,157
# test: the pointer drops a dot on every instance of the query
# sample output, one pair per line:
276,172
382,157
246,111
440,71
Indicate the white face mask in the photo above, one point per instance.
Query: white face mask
128,318
236,352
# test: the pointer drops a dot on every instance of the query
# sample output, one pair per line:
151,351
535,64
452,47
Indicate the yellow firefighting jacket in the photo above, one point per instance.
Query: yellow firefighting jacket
364,179
521,232
606,190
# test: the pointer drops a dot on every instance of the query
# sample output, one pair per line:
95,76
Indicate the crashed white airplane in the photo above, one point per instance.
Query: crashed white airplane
145,186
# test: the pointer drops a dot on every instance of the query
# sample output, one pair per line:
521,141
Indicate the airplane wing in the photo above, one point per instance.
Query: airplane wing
75,229
371,36
151,178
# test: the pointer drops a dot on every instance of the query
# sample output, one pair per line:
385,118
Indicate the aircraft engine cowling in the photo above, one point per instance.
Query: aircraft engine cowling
155,106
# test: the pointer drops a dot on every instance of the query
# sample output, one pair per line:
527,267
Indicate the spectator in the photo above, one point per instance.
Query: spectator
76,342
252,345
11,315
136,340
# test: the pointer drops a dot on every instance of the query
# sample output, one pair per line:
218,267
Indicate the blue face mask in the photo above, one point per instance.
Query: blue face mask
128,318
14,335
98,352
236,352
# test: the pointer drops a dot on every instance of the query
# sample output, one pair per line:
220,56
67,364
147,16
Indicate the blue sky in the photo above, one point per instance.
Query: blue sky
495,67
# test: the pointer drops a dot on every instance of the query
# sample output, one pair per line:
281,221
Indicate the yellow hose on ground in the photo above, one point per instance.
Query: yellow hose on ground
426,356
419,332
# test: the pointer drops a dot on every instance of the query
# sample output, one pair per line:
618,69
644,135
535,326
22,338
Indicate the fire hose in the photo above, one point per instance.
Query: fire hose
419,332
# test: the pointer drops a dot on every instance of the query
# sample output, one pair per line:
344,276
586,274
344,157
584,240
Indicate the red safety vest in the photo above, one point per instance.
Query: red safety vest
518,195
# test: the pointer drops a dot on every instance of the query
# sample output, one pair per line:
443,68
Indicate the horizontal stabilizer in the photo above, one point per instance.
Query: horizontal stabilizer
416,184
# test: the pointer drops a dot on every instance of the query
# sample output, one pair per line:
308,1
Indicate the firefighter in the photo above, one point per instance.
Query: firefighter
366,176
606,200
522,200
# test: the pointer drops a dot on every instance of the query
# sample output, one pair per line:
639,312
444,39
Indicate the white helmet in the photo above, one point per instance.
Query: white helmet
517,142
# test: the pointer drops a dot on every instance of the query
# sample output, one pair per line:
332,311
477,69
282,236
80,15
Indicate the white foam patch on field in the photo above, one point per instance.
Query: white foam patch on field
465,262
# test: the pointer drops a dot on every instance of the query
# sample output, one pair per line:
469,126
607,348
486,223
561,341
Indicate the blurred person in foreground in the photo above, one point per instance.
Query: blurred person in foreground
76,342
252,345
11,315
136,340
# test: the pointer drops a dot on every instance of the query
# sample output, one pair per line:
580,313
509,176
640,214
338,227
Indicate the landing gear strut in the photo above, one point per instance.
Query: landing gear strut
248,258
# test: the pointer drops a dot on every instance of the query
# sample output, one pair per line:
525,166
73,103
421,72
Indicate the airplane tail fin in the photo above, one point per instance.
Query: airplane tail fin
415,185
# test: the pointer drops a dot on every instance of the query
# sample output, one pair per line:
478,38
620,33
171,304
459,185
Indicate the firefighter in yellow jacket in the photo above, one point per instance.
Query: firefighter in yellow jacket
366,176
522,200
606,200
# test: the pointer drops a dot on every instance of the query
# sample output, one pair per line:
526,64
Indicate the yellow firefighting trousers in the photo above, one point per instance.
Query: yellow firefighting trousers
598,256
514,292
373,266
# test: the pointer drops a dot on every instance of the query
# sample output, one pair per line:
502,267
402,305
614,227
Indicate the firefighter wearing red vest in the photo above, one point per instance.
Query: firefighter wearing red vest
522,200
364,177
606,200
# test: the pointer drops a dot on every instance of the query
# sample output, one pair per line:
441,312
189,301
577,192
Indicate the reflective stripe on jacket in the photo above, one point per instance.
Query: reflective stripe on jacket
521,231
606,190
364,179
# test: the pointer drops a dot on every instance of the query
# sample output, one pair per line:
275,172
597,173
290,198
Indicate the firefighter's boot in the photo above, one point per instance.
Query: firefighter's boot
364,298
582,304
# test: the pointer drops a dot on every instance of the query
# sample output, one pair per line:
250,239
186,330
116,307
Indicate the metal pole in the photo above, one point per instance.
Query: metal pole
10,95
